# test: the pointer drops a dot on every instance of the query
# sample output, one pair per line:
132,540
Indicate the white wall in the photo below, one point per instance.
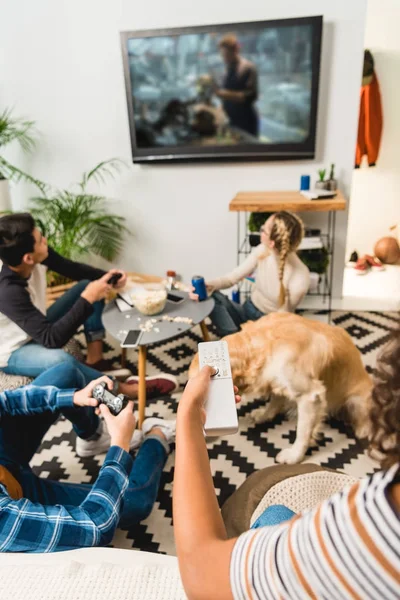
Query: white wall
62,67
375,195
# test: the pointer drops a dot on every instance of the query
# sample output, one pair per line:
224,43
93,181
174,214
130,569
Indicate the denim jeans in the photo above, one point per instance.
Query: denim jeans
273,515
20,436
227,316
32,359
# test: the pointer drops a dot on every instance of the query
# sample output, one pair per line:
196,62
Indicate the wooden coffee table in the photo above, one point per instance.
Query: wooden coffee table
118,324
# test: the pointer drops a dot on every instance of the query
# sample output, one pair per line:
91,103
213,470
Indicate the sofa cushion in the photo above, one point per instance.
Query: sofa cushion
92,574
303,492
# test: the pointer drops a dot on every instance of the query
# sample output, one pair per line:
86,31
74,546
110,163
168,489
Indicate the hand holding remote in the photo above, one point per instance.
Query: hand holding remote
192,403
221,414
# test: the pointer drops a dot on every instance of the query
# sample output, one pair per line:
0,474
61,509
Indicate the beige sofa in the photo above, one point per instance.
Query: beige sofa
90,574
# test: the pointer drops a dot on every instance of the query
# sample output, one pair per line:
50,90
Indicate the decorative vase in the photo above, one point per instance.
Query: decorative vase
5,199
320,185
331,185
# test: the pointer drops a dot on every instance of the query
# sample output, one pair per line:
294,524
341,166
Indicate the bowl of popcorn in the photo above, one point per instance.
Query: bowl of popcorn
149,299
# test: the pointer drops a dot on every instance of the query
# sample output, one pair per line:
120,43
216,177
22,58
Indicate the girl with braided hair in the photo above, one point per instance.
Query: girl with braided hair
282,280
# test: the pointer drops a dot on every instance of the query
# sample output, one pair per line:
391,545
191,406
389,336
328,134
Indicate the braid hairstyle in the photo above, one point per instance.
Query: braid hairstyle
287,233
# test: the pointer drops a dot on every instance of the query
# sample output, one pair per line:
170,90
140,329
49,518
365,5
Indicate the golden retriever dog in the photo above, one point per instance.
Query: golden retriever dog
293,361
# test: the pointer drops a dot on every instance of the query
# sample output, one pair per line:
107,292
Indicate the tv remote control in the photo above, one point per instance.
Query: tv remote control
220,405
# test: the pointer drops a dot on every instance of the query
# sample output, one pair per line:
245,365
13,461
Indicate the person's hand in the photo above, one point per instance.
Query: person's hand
221,93
121,427
195,297
122,281
192,400
84,397
98,289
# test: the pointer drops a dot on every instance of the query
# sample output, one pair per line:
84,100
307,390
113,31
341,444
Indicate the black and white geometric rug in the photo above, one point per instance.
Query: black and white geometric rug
232,458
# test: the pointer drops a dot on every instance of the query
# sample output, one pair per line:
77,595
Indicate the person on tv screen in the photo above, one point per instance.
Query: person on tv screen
240,87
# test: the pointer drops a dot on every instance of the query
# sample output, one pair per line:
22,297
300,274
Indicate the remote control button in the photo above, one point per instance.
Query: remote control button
216,372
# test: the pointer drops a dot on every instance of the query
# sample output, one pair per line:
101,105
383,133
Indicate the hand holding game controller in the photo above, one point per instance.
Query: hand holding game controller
118,279
115,403
85,396
121,427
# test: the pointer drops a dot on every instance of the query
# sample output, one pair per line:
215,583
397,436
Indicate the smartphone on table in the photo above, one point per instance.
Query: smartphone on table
174,298
133,338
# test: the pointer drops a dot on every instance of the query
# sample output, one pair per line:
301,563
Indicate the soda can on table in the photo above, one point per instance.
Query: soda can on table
199,287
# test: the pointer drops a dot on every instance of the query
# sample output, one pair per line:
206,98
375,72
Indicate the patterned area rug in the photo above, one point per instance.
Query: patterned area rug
232,458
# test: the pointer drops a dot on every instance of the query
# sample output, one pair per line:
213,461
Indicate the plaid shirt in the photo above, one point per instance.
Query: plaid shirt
29,527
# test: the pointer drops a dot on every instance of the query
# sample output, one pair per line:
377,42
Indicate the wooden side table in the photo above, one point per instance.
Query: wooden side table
118,324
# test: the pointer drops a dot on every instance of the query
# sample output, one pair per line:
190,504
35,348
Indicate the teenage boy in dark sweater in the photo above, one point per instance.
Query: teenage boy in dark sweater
31,338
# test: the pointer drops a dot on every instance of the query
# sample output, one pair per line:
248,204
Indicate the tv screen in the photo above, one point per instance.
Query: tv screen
235,91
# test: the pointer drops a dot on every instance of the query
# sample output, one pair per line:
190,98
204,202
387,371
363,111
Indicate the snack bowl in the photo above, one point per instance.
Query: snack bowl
150,298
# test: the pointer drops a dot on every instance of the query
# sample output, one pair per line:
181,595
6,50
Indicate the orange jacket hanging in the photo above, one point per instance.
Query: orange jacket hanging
369,123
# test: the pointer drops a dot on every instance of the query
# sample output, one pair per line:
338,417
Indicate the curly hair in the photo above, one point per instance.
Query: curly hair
385,409
287,232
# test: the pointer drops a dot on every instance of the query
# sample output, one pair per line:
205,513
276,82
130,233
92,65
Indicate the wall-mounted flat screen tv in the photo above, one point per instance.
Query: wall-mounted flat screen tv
244,91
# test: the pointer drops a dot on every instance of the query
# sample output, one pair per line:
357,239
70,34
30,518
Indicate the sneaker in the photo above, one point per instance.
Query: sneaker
137,439
362,266
96,444
167,427
374,263
100,442
157,385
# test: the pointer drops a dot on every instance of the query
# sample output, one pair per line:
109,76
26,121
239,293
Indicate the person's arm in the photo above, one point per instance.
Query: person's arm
297,288
204,552
232,96
78,271
300,558
17,305
32,399
245,269
70,268
26,526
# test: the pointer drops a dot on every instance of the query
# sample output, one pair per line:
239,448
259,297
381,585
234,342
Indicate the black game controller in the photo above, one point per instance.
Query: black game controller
115,403
114,278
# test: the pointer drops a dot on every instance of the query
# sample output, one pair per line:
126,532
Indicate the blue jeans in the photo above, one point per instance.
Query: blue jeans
227,316
20,438
32,359
273,515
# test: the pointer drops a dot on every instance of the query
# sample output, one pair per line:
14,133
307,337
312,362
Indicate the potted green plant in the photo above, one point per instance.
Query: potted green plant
24,133
76,222
332,183
256,221
317,260
320,184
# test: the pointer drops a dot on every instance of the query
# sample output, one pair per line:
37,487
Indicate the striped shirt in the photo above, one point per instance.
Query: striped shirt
26,526
347,547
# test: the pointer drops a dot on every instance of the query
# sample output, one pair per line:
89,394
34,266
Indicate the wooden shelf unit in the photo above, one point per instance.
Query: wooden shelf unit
291,201
246,202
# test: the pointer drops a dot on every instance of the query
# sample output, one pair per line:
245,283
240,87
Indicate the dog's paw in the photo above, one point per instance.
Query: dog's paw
259,415
289,456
